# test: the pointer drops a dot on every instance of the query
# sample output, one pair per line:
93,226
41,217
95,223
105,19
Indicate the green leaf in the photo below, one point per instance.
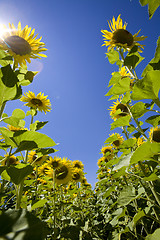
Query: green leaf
18,113
38,204
127,195
120,122
2,168
155,62
154,236
138,216
145,152
5,59
114,79
45,151
121,87
8,84
7,135
154,120
152,6
129,143
148,87
152,177
37,125
21,224
123,162
19,172
133,58
28,140
143,2
138,109
25,77
113,56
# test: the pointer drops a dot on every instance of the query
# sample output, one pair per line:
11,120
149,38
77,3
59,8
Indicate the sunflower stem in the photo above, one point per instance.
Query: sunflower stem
150,183
128,69
2,109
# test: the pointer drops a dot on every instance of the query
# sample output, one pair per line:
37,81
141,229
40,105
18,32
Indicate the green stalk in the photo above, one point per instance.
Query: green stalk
150,183
2,108
20,186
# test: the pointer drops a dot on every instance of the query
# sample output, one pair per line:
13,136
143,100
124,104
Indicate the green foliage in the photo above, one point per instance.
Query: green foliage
152,6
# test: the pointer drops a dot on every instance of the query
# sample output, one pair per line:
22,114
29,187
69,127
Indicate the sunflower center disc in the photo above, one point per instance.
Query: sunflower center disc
116,143
123,109
76,176
61,173
123,36
156,136
18,45
36,101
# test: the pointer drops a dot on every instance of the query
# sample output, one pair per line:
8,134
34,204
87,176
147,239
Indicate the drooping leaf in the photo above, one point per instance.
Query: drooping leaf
127,195
113,56
148,87
154,236
28,140
114,79
8,84
37,125
154,120
121,87
123,162
138,109
21,224
19,172
138,216
154,64
38,204
145,152
133,58
152,177
120,122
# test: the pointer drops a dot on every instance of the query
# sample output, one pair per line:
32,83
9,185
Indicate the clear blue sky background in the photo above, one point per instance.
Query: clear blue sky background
75,74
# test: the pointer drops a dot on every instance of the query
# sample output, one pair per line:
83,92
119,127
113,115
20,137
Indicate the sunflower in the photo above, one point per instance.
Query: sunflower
107,153
78,164
140,141
39,102
118,106
100,161
42,169
63,174
154,134
118,36
118,141
54,162
22,44
78,175
9,160
15,129
33,159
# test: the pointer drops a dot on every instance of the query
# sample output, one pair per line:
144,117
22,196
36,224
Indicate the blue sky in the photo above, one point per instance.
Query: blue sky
76,72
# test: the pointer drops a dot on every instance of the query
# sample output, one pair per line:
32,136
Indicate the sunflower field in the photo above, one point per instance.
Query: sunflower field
46,197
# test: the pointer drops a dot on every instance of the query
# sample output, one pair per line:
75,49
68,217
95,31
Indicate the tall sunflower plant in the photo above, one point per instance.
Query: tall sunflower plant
34,187
18,46
129,169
